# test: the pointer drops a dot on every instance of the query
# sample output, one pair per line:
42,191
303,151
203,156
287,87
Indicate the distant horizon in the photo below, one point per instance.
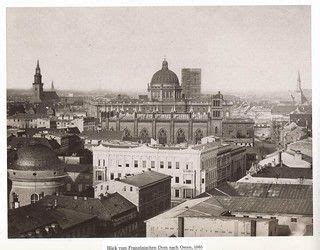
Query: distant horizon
237,48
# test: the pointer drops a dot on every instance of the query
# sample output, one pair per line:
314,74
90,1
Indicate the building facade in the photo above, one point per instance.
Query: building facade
36,172
194,169
149,191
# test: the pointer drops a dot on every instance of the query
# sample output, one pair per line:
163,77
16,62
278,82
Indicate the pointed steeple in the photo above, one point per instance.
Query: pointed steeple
298,82
38,68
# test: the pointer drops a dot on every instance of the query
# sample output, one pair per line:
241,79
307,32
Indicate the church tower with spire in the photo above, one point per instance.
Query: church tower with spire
37,85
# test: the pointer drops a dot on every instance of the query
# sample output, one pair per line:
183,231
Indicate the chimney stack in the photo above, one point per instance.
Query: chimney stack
280,158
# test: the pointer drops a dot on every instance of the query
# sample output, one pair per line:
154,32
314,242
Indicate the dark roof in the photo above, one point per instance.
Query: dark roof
36,157
145,178
28,218
266,205
105,208
17,142
283,109
165,76
102,135
78,168
48,96
284,172
68,218
262,190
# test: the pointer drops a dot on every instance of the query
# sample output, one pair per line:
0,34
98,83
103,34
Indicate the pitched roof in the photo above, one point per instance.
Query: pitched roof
266,205
102,135
104,208
145,178
49,96
262,190
28,218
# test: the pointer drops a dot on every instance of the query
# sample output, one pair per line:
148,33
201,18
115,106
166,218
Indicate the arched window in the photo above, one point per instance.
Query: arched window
126,134
162,136
181,136
34,198
216,130
144,135
198,135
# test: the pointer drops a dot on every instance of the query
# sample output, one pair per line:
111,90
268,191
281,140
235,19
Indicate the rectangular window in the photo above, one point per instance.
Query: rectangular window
124,188
176,193
153,164
119,166
177,165
98,162
136,164
104,162
131,188
246,216
272,217
177,179
293,219
111,176
161,164
119,175
107,187
68,187
187,166
169,165
188,181
127,165
80,187
144,164
202,180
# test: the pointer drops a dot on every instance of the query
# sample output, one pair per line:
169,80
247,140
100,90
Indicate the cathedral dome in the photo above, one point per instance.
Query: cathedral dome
37,157
165,76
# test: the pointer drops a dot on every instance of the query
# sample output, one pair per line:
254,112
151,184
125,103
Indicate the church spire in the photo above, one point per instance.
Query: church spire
38,68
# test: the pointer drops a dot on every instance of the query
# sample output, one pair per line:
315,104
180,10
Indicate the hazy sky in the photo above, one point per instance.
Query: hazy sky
237,48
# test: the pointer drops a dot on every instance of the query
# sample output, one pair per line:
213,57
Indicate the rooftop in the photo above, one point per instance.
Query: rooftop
284,172
144,179
105,208
262,190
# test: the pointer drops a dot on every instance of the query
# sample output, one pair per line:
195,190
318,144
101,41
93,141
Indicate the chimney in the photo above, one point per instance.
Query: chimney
180,226
298,155
280,158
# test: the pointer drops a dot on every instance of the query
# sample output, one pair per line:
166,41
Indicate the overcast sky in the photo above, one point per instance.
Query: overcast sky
237,48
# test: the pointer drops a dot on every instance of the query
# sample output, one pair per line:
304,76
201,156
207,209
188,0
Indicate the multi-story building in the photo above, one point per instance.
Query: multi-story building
24,121
166,116
82,123
194,169
191,83
239,131
149,191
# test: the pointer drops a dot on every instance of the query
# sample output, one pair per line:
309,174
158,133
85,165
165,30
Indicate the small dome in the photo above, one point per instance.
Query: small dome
165,76
37,158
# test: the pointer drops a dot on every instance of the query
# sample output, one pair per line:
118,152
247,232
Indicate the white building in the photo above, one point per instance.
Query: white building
194,169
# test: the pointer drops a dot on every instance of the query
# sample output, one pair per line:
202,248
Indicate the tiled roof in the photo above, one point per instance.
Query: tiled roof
262,190
266,205
28,218
145,178
104,208
49,96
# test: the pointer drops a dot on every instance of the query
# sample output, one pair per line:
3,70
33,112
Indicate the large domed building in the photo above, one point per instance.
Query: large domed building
165,85
36,172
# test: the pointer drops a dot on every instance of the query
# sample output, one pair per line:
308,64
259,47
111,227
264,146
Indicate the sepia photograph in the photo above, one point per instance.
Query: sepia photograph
159,121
